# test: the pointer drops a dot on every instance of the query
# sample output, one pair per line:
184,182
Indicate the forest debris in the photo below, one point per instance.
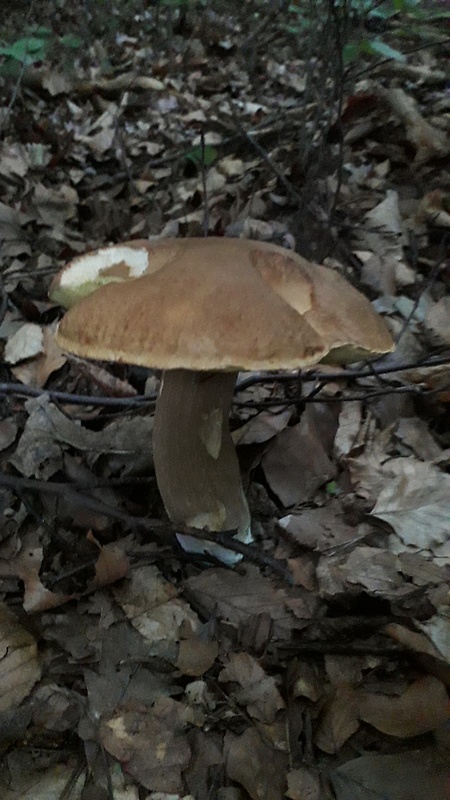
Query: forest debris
318,528
19,665
26,342
303,785
413,775
26,777
36,372
422,707
153,608
429,142
26,565
415,501
339,720
434,208
258,691
239,598
151,743
297,463
256,765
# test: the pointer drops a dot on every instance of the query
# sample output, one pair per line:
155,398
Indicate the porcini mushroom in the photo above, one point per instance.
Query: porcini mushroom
201,310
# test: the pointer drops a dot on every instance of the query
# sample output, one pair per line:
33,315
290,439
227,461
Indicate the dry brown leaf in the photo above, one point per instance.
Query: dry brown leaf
8,433
26,566
258,691
262,427
257,766
19,664
152,606
429,142
415,501
435,208
303,785
296,463
239,598
151,744
33,782
414,775
339,720
422,707
196,654
35,373
437,320
417,642
27,342
112,565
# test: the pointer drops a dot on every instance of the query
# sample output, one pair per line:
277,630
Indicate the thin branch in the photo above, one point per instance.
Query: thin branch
164,532
19,390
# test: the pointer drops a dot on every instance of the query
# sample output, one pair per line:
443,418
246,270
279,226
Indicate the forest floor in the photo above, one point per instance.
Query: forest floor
318,667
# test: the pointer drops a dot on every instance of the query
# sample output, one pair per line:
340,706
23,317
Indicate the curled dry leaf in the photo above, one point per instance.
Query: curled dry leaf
36,596
33,782
27,342
303,785
152,606
258,691
414,775
415,501
196,655
35,373
112,565
339,720
422,707
429,142
257,766
19,665
297,463
151,744
242,598
435,208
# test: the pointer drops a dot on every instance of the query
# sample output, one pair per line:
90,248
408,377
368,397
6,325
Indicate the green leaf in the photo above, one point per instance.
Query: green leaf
380,48
351,52
197,155
28,50
71,40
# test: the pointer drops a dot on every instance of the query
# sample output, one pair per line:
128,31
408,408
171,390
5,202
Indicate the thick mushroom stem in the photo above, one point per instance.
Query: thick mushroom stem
195,461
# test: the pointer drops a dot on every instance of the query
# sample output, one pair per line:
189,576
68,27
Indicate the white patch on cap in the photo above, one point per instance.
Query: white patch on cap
89,267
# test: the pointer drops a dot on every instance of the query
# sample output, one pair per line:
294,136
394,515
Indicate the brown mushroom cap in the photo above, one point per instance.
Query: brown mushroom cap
213,304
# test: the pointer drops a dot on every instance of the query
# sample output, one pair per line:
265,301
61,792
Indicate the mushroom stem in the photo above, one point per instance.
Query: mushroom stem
196,466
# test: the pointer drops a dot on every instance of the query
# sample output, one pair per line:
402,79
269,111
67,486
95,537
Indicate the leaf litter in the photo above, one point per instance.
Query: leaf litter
130,670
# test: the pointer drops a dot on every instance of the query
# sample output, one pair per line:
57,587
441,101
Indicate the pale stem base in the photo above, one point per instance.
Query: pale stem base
196,466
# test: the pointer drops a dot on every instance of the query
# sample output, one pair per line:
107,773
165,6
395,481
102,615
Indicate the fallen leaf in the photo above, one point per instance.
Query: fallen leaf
27,342
151,744
339,720
152,606
257,766
422,707
413,775
296,464
258,691
415,501
19,664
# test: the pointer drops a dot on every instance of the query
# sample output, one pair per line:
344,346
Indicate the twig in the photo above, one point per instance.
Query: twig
20,390
347,374
164,532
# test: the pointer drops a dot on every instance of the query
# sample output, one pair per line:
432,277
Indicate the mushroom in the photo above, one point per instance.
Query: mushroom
201,310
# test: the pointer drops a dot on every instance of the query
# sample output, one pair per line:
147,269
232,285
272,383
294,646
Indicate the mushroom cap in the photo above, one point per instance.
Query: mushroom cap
213,304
